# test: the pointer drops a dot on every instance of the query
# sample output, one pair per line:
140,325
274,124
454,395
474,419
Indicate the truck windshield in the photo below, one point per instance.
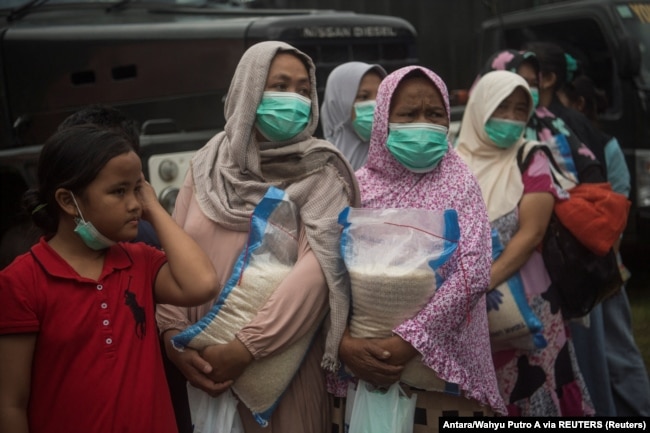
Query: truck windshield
636,19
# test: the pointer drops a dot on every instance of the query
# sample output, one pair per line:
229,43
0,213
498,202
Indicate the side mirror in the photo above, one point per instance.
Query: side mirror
629,57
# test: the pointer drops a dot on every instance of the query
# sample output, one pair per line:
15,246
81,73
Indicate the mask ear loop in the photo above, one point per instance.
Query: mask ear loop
77,206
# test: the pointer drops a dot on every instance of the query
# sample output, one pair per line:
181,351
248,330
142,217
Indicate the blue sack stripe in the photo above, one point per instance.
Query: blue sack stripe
518,294
451,237
259,220
516,287
343,220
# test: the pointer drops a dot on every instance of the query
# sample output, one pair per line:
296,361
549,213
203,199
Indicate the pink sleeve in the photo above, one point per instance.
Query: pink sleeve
538,178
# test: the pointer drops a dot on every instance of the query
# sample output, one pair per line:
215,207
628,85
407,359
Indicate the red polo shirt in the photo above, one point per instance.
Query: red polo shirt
97,365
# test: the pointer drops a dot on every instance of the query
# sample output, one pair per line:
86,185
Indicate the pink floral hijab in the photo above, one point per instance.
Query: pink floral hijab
383,180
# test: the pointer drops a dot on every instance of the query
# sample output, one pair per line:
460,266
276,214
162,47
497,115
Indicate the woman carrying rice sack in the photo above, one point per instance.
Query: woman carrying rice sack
533,382
271,113
412,165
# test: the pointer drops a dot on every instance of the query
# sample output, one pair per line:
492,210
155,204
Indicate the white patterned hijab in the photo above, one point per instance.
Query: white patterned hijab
233,172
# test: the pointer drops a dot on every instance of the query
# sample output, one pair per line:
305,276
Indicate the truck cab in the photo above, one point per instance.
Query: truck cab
611,40
165,64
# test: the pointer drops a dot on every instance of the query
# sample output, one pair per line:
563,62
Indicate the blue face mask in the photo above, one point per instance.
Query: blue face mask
88,233
534,92
503,132
282,115
362,123
417,146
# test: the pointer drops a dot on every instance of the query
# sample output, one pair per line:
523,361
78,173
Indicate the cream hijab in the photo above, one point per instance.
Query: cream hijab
233,172
495,168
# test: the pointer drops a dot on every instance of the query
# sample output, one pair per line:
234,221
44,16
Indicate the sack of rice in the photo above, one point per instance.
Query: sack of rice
393,257
511,320
270,254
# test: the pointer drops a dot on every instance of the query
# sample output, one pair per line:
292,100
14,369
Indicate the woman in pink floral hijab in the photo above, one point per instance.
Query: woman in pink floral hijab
451,331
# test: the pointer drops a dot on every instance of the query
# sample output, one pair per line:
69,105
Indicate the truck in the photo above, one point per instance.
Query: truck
165,64
611,40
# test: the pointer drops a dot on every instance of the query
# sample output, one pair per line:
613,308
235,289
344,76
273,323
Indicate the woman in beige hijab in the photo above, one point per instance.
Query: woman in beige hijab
271,113
539,376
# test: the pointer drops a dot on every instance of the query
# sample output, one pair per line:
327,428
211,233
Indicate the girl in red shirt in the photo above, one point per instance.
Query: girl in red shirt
79,350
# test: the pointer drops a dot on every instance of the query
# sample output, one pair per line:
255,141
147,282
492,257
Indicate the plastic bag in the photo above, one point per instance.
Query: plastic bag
382,411
393,257
269,256
213,414
512,322
349,404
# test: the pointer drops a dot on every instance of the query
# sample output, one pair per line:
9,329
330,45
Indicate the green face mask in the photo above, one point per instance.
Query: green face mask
417,146
282,115
534,91
503,132
88,233
362,123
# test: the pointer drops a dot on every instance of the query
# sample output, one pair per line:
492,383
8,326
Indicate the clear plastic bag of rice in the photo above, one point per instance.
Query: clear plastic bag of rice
392,256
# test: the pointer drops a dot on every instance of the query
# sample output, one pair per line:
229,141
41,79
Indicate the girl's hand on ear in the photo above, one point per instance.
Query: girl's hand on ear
146,196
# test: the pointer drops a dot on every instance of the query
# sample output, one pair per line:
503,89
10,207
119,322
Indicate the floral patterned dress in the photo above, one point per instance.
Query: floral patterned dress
545,381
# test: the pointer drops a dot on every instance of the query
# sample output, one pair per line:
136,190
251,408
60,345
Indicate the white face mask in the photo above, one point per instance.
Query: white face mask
88,233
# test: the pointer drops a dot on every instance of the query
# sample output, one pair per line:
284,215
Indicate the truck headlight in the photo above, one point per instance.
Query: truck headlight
168,170
167,198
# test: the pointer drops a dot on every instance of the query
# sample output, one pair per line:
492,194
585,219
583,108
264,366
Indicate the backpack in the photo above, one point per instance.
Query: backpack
582,277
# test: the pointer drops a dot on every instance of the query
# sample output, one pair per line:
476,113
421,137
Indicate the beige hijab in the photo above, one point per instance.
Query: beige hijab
234,171
495,168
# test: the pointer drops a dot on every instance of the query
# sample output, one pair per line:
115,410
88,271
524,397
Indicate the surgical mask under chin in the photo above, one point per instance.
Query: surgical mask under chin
362,123
534,92
417,146
88,233
503,132
282,115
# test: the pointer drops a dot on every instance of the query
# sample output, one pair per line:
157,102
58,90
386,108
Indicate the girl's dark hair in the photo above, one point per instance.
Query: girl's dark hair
71,158
552,58
107,117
